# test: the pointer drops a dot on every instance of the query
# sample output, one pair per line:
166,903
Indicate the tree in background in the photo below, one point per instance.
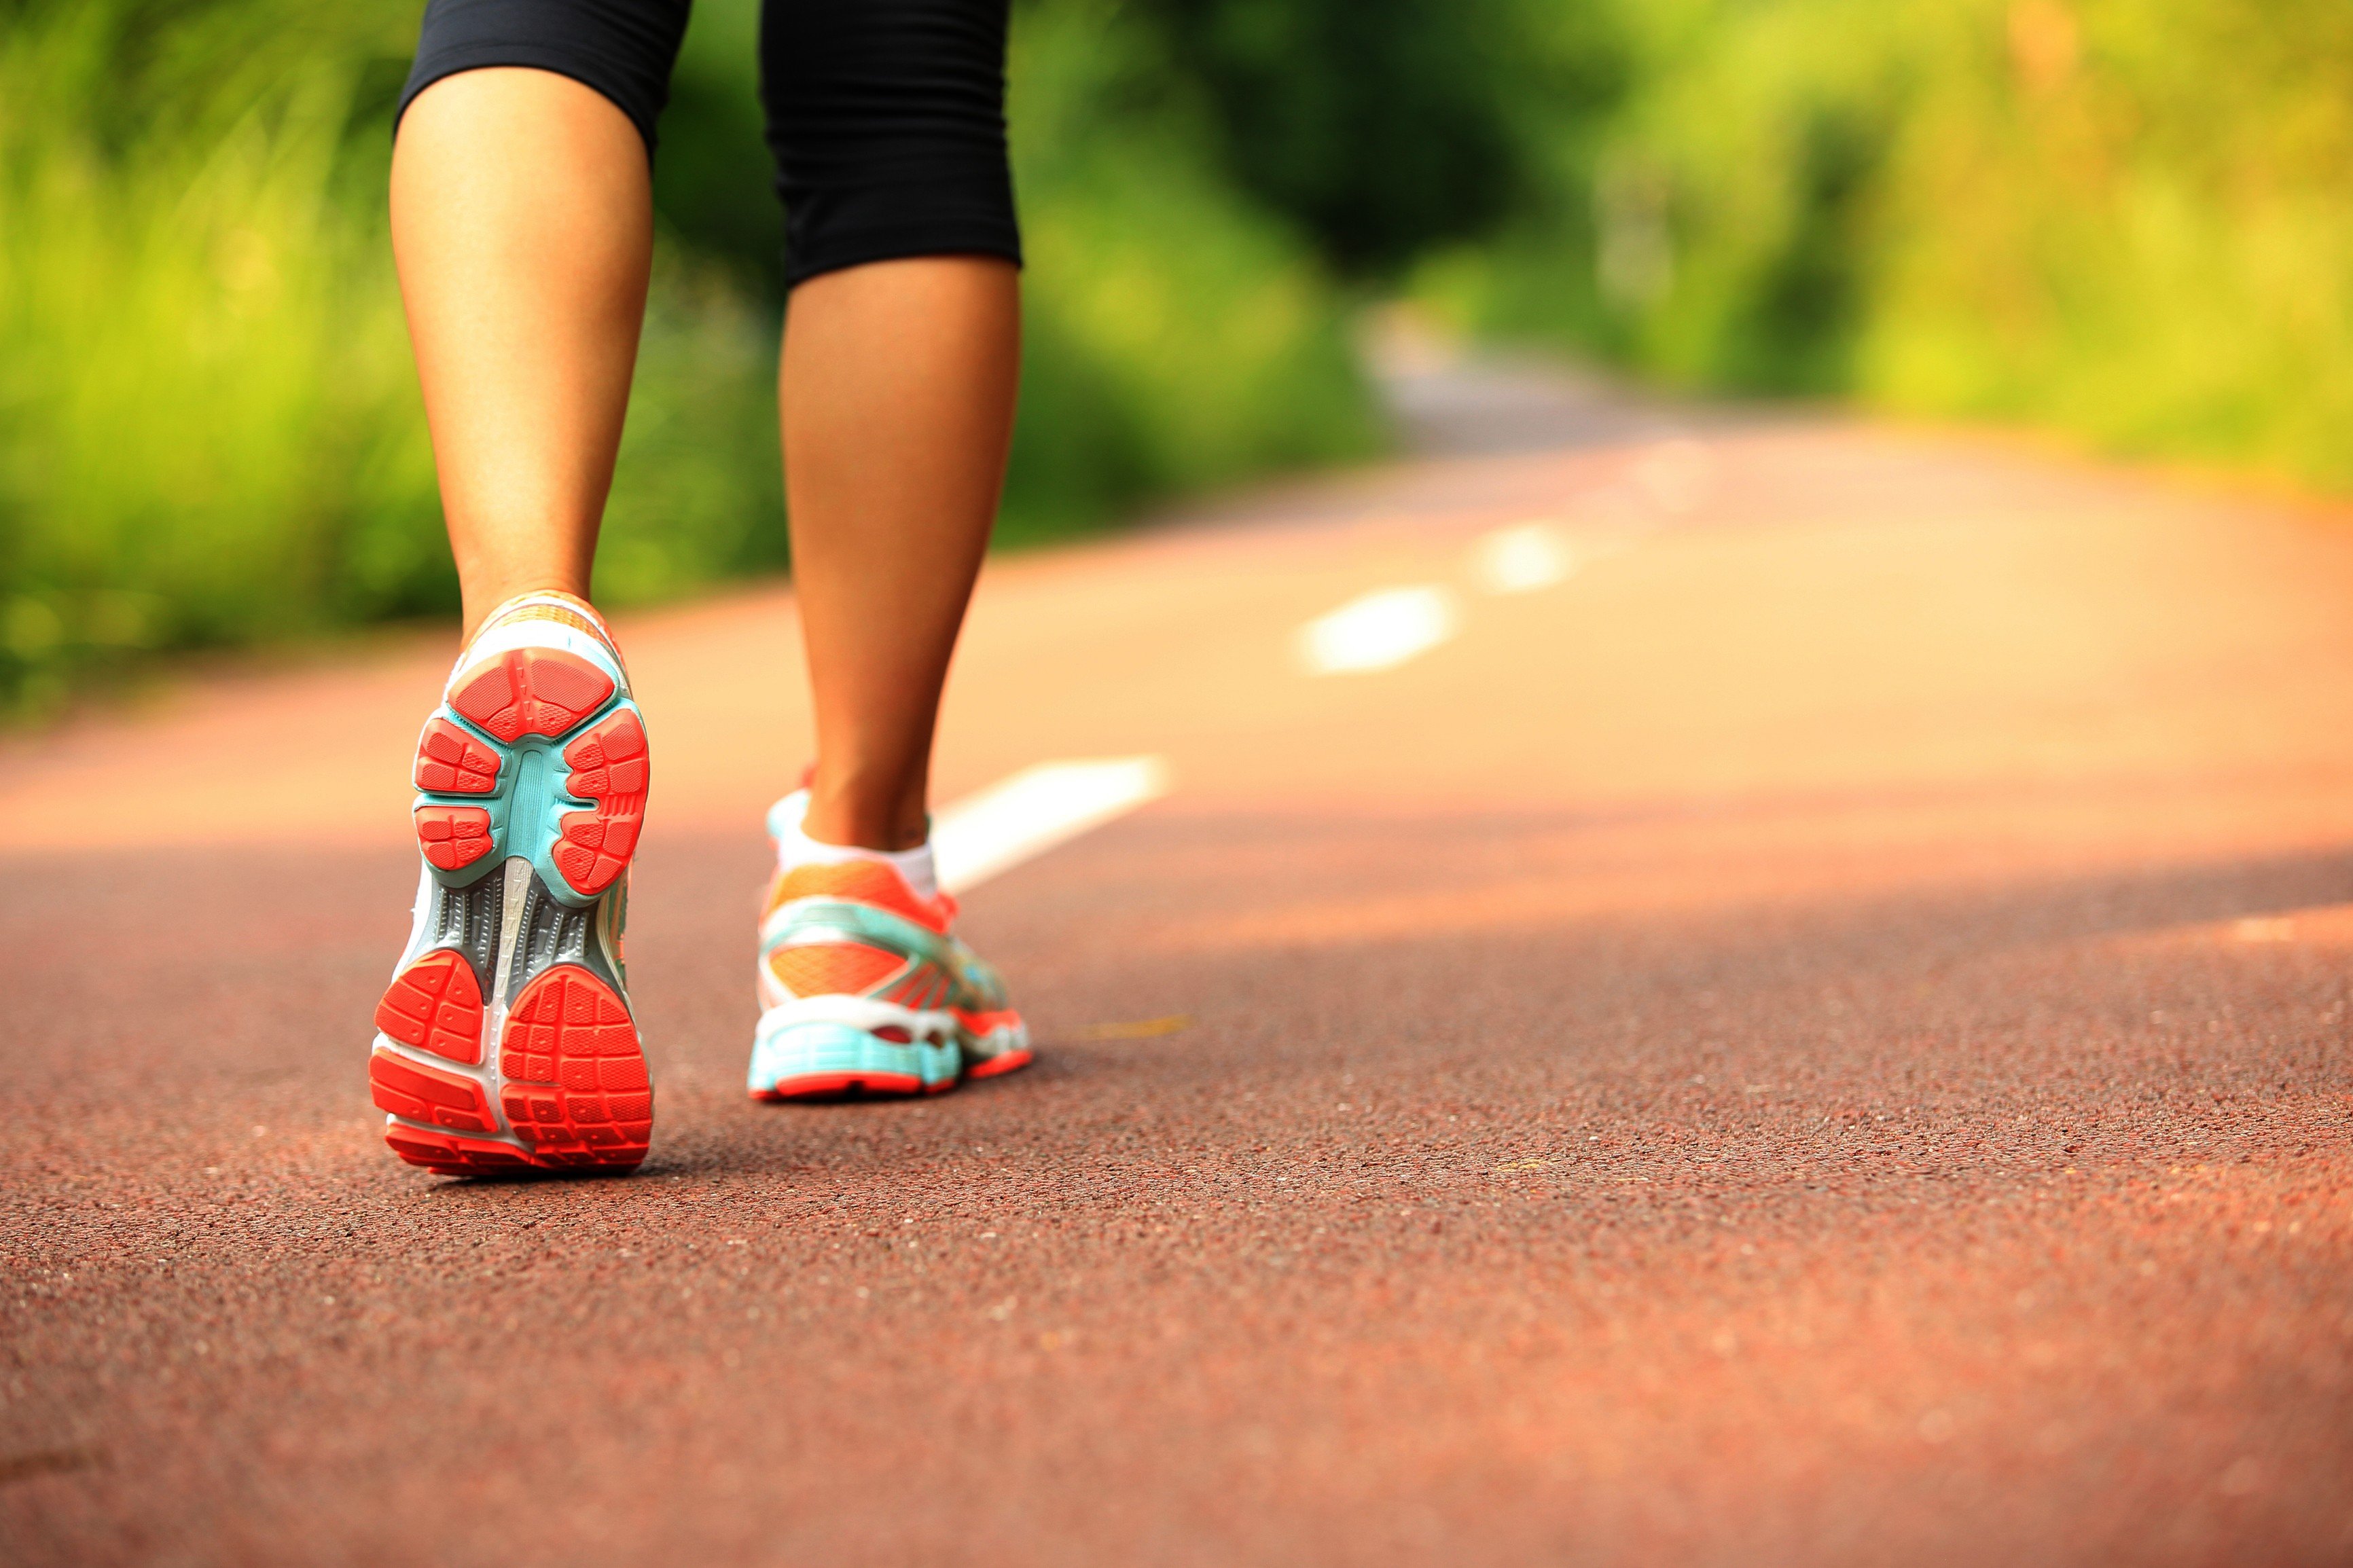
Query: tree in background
2125,218
1380,127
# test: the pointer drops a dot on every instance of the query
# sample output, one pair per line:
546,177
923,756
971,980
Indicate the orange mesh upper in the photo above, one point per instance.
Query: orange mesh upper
831,968
861,881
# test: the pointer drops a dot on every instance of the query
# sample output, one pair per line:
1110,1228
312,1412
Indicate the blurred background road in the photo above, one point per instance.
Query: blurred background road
1788,1007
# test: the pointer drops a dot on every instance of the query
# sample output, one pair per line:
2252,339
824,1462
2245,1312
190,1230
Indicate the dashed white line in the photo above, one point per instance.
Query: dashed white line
1377,631
1676,476
1522,558
1020,817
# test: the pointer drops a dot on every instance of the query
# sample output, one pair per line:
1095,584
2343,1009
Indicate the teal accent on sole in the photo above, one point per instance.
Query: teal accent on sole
527,808
828,1052
529,817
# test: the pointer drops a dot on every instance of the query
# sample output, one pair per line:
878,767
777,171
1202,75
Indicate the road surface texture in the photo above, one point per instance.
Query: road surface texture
1812,1031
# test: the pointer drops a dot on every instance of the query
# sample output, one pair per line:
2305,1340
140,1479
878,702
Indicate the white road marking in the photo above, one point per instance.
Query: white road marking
1677,476
1377,631
1522,558
1020,817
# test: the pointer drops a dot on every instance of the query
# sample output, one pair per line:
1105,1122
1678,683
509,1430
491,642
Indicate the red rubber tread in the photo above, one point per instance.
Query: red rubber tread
610,767
453,836
838,1085
436,1004
451,761
995,1066
531,691
576,1089
428,1094
452,1155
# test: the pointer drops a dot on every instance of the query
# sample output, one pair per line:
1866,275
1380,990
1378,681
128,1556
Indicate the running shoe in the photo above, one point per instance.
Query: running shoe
505,1042
863,992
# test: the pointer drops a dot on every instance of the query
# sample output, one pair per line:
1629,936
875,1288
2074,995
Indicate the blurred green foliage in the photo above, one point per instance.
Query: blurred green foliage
2128,219
2125,217
209,429
207,419
1381,126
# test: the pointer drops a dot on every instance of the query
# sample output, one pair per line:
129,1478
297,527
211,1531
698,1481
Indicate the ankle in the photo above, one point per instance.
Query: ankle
853,819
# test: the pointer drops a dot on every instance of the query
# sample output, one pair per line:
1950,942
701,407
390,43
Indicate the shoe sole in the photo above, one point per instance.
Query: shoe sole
822,1060
505,1046
830,1061
1007,1036
999,1065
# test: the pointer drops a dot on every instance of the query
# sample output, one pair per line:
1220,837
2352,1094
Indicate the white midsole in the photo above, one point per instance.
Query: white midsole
542,633
866,1012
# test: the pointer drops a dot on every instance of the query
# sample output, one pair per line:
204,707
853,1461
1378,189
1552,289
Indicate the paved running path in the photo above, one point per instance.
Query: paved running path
1818,1038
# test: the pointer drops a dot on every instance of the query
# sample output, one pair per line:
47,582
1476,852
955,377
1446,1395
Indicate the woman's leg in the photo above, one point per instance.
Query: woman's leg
901,349
522,225
896,395
902,343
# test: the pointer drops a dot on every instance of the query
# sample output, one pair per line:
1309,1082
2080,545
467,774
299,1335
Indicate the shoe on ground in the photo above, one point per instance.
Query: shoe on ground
864,992
505,1043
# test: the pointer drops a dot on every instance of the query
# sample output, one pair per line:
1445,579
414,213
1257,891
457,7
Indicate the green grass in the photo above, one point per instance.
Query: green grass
209,429
206,414
1177,336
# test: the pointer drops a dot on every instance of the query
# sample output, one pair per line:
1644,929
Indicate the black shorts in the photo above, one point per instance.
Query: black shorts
886,117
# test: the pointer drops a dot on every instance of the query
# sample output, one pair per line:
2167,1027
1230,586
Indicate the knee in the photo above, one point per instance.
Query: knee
622,48
887,122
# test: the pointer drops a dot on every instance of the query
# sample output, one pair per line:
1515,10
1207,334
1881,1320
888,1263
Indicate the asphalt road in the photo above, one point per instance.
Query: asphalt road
1818,1037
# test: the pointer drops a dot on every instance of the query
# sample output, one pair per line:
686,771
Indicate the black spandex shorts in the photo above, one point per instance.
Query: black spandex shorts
886,117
